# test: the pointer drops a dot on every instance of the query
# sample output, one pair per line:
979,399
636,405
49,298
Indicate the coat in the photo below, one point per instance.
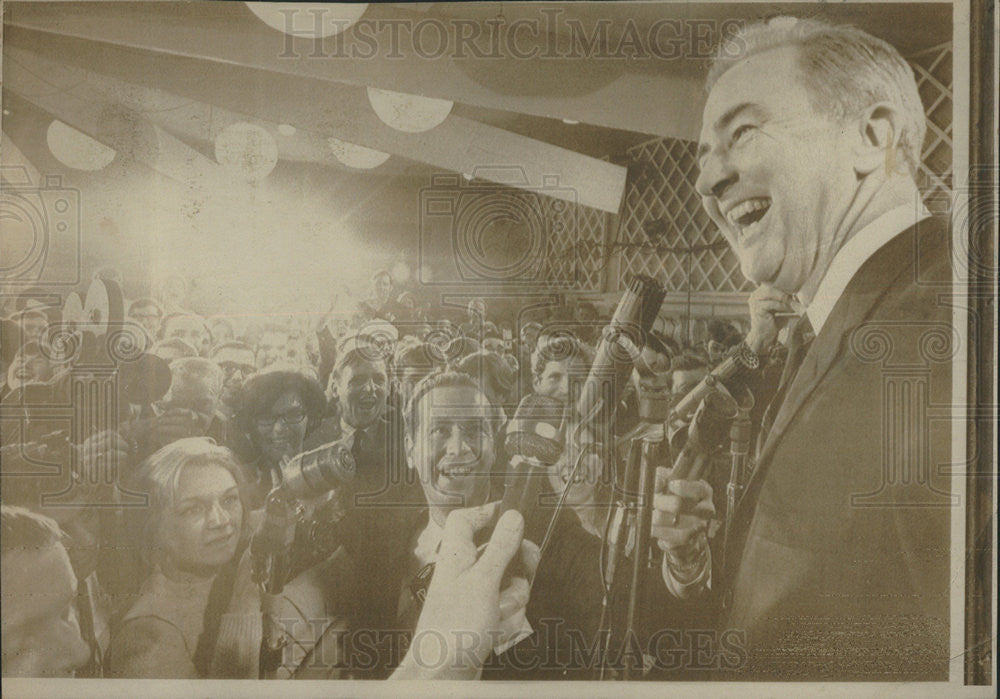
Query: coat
843,535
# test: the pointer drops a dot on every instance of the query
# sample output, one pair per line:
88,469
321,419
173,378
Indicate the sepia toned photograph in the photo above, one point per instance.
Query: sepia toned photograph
498,348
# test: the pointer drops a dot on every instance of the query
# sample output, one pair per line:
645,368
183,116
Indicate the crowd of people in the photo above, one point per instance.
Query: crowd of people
169,585
310,500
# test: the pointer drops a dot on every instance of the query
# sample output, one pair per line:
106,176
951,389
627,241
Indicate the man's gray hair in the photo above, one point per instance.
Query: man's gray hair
846,69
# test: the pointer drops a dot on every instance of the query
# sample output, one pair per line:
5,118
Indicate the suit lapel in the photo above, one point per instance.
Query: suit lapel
876,276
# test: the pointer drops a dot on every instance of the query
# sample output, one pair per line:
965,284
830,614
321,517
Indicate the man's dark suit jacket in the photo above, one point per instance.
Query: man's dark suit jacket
843,535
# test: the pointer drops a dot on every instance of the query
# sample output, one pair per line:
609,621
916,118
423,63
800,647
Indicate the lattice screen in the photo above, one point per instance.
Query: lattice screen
663,189
932,69
575,252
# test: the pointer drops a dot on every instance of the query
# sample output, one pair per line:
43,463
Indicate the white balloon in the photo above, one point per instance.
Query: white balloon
77,150
316,20
356,156
408,113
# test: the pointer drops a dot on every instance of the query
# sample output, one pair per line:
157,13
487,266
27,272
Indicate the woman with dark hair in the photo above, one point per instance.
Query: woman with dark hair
276,410
198,614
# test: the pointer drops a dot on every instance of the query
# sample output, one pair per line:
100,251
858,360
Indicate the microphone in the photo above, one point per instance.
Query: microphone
535,431
318,471
592,417
534,442
731,374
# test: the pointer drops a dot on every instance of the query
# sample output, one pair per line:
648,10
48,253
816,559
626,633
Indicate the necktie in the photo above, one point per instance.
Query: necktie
800,338
358,447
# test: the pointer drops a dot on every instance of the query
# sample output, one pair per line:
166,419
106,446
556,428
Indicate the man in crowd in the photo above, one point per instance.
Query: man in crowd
475,319
147,313
189,409
188,327
272,346
556,362
722,336
361,383
236,360
687,372
380,304
34,365
41,634
383,496
810,138
452,443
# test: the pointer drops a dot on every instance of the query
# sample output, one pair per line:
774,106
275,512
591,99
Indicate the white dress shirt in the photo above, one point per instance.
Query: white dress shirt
428,543
854,253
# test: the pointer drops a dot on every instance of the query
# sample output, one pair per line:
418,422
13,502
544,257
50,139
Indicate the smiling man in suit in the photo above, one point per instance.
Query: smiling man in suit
838,567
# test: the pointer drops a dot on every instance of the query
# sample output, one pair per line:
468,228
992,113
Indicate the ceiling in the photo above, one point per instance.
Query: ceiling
556,90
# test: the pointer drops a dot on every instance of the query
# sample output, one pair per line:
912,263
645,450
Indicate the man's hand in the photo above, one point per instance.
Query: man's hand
765,302
466,614
682,510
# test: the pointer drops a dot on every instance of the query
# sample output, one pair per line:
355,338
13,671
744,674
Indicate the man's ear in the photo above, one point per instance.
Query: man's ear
878,142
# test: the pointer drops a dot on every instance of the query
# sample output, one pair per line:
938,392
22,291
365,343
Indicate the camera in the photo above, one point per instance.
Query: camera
303,515
482,231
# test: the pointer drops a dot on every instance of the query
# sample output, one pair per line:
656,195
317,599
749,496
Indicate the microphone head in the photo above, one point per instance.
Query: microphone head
535,431
318,471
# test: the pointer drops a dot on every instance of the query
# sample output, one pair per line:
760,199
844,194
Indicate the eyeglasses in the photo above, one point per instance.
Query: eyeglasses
291,418
231,368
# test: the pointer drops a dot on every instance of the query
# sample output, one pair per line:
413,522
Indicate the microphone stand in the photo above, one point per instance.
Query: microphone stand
632,516
739,449
271,550
654,413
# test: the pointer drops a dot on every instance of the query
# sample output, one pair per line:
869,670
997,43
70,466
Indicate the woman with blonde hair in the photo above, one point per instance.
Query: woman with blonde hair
198,614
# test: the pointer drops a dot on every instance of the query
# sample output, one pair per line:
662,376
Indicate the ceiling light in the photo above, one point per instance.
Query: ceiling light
315,20
356,156
77,150
246,149
408,113
571,122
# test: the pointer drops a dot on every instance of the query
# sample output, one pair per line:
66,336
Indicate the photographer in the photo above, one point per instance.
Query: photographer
189,409
278,408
